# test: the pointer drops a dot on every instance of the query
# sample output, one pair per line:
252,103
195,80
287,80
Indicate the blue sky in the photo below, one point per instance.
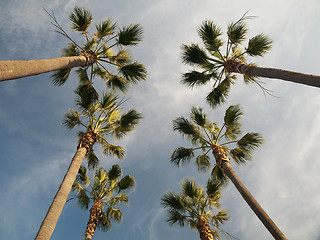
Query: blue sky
36,149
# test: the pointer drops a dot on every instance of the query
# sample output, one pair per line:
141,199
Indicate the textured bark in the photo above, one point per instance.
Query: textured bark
204,229
95,213
236,66
223,161
10,70
49,223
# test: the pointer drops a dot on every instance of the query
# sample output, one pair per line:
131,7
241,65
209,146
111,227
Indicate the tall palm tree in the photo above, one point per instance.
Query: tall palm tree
210,62
105,46
207,136
100,118
193,207
107,192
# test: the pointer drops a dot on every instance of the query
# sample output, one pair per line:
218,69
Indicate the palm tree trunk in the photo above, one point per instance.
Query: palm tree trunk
204,229
49,223
224,162
17,69
50,220
95,213
236,66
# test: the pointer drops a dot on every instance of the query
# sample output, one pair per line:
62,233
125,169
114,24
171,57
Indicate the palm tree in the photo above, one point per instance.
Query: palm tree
105,46
211,63
107,192
207,136
99,118
193,207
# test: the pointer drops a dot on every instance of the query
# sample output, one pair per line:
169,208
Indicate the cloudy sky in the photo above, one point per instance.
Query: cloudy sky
36,149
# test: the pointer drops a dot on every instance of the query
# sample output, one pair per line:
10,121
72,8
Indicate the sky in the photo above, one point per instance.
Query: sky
36,149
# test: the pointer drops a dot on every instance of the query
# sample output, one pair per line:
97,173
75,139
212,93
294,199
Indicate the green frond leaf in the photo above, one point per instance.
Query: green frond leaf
104,223
171,200
83,199
115,172
108,101
232,121
89,45
117,83
133,72
80,19
259,45
198,116
218,175
70,50
82,76
175,217
114,150
182,156
195,78
86,96
60,77
122,57
191,189
237,32
203,163
105,28
193,55
213,189
92,159
71,119
126,183
240,156
209,32
250,141
187,129
220,93
100,175
127,122
82,176
115,215
130,35
221,217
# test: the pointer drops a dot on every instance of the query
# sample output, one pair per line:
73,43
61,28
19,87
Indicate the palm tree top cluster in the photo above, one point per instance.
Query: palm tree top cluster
104,54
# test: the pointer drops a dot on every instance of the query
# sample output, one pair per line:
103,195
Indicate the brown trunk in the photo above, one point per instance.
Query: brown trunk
204,229
54,211
17,69
224,163
236,66
95,213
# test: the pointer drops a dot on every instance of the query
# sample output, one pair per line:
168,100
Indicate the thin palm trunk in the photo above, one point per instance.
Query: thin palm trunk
10,70
95,213
224,162
296,77
49,223
204,229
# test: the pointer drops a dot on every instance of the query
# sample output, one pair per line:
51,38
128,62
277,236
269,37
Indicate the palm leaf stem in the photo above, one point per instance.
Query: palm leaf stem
101,59
57,25
218,80
204,206
205,130
108,40
215,60
103,67
91,74
228,142
218,136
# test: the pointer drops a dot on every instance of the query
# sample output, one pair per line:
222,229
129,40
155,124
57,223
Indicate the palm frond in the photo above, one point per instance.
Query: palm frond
114,172
108,101
116,82
70,50
82,76
60,77
181,156
86,96
172,201
237,32
195,78
175,217
71,119
232,121
187,129
130,35
220,93
250,141
104,223
92,159
80,19
203,163
83,199
89,45
213,188
105,28
115,215
123,198
259,45
126,183
218,175
191,189
221,217
127,122
100,175
209,32
193,55
198,116
133,72
240,156
114,150
82,176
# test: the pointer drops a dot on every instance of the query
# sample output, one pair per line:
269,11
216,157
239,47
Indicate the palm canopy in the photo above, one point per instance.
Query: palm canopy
211,63
204,135
193,202
108,187
102,116
106,46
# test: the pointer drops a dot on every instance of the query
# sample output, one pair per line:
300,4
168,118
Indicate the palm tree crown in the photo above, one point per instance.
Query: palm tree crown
211,63
102,117
108,191
193,207
206,136
105,46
